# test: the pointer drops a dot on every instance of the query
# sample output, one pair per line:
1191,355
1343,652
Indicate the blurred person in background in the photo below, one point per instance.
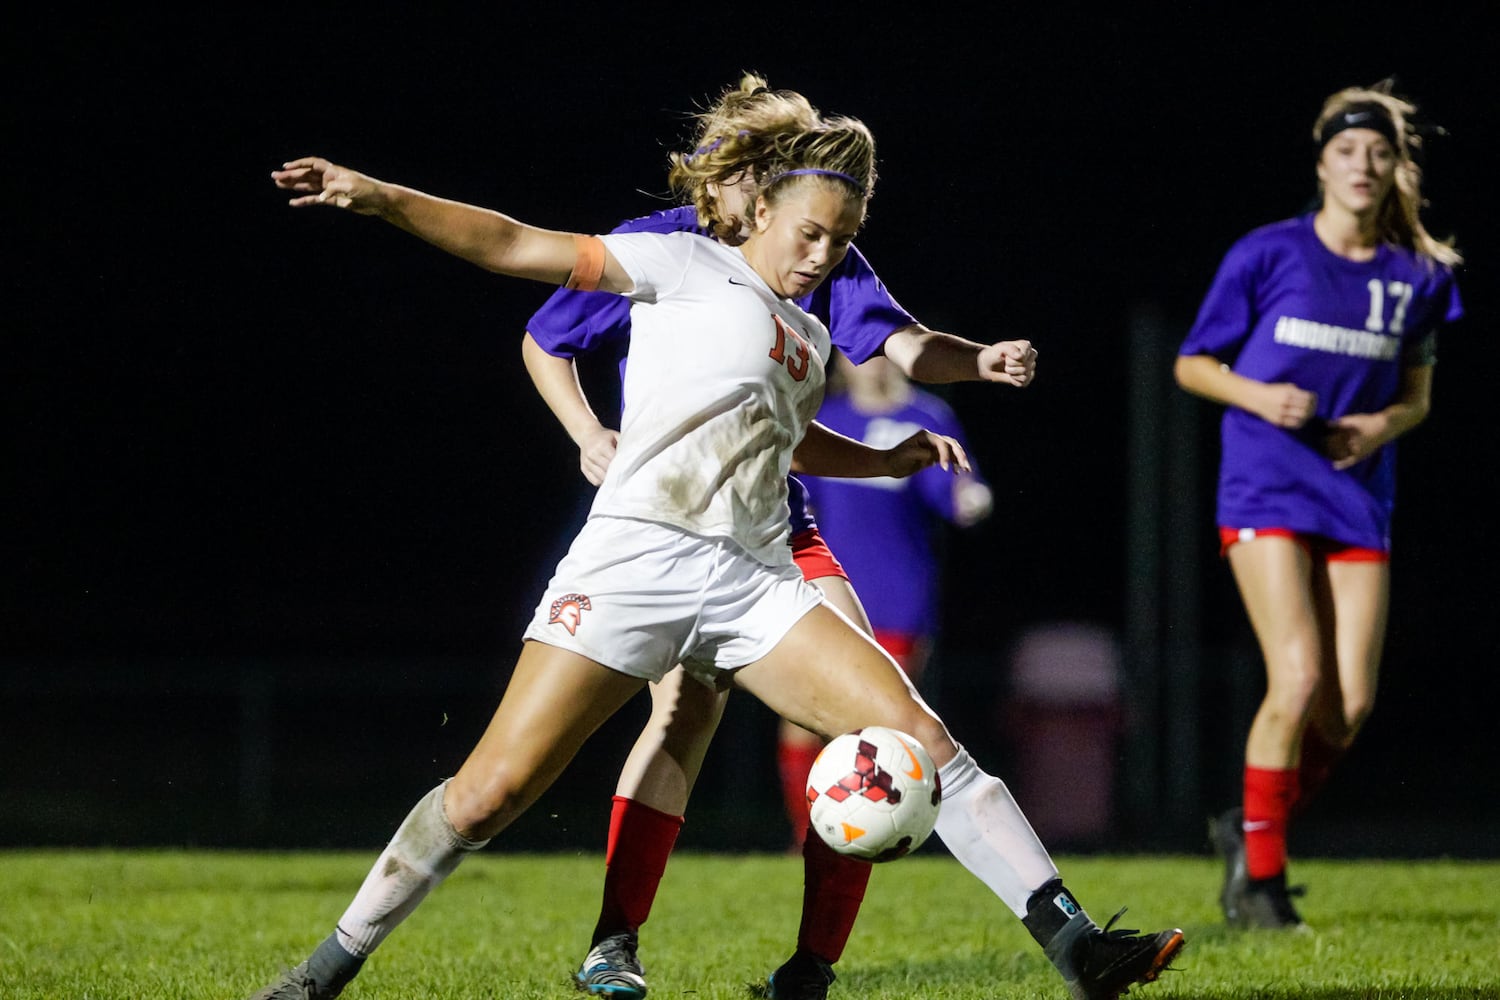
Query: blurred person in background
886,531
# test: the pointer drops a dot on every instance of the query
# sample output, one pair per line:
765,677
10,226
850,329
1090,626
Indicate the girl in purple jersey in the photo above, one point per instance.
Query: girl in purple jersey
1318,336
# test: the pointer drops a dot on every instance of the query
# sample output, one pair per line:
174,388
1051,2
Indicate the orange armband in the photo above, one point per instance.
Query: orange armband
589,267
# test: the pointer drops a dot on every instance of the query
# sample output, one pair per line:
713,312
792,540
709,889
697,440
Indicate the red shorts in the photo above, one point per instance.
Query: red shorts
1317,546
813,556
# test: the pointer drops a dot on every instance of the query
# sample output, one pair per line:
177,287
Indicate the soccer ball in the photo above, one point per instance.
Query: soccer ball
873,794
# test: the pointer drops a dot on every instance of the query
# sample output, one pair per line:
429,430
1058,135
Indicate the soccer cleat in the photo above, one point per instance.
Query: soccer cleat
296,984
1266,904
1250,904
1227,833
1103,963
322,977
804,976
611,969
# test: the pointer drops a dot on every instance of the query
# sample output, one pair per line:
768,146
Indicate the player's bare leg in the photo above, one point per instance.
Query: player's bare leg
858,684
1281,586
665,760
555,700
1359,593
796,748
645,818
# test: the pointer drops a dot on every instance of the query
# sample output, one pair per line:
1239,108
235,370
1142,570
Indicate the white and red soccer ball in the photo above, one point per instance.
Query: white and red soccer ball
873,794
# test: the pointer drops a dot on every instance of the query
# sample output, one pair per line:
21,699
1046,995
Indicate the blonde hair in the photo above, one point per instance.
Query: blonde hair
1399,219
754,131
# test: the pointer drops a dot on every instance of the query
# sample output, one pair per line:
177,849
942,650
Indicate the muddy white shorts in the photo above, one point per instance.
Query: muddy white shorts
641,597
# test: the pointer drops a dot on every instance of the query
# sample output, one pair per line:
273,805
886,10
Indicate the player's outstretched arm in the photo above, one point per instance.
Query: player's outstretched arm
936,358
556,381
489,239
826,452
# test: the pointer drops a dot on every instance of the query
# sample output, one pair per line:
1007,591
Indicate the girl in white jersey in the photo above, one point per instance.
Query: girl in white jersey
714,178
684,558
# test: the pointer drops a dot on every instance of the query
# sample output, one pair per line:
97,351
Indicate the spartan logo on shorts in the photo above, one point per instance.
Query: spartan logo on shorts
568,610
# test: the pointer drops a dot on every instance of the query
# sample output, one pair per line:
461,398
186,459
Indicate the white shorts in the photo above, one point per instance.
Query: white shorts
640,597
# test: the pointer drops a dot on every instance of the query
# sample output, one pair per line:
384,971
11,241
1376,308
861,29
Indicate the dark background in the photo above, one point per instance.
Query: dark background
279,496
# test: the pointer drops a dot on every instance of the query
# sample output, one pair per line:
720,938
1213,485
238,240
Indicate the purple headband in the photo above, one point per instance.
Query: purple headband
710,147
817,172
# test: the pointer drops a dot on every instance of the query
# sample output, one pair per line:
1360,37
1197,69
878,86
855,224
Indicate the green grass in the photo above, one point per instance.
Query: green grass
126,925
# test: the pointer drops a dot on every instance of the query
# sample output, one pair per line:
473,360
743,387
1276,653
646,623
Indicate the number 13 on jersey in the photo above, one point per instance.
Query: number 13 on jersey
797,365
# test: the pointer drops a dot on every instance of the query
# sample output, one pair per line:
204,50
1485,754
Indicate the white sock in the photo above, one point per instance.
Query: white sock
424,851
983,828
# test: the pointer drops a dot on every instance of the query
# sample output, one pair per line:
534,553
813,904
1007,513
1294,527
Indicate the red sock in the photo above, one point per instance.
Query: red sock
1269,794
1319,758
640,841
833,887
794,760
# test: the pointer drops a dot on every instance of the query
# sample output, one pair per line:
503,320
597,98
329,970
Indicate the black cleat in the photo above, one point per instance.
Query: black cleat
322,977
295,984
1102,964
1227,833
1266,904
1250,904
804,976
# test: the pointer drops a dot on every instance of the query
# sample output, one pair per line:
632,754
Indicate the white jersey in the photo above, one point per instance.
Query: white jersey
722,380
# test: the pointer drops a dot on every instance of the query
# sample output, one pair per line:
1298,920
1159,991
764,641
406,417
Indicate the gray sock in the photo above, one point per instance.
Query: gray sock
331,966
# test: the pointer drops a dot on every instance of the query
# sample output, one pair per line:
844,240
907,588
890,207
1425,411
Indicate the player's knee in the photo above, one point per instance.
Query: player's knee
934,737
1292,684
478,807
1281,719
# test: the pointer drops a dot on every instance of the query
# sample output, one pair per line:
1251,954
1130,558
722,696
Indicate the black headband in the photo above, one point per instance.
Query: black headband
1369,115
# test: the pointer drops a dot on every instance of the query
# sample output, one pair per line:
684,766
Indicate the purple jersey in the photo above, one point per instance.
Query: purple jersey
1285,308
882,529
801,516
852,302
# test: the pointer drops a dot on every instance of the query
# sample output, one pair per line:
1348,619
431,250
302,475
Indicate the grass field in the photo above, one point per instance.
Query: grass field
107,925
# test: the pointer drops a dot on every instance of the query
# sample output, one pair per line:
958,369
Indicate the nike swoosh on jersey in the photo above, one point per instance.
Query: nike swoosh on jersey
740,283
